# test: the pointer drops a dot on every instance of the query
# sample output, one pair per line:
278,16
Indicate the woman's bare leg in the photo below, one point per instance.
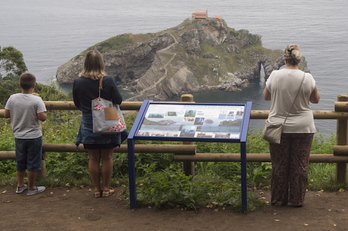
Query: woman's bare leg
94,167
107,168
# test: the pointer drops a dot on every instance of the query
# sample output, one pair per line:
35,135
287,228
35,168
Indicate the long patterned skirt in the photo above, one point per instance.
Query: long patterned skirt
290,160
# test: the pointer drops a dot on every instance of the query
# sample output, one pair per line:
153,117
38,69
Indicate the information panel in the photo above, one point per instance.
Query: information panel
193,120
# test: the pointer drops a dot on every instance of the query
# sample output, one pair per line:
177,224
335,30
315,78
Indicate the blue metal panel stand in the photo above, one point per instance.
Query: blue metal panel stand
137,126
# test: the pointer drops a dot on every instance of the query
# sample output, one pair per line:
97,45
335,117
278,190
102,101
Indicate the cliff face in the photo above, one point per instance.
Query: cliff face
197,55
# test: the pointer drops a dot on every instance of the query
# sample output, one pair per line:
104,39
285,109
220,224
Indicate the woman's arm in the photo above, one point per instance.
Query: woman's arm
75,95
266,94
315,96
115,93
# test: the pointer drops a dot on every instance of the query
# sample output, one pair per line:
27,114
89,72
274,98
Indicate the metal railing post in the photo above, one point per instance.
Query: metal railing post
188,166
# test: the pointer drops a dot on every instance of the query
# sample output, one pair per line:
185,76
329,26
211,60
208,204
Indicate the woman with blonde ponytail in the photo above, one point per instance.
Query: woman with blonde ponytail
290,91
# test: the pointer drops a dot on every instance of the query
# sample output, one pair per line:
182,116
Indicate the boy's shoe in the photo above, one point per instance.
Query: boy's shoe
39,189
22,188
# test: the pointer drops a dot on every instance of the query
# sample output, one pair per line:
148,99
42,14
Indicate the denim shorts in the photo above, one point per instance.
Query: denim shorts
29,154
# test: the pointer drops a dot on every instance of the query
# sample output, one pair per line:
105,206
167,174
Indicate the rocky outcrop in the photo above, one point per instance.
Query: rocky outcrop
127,64
197,55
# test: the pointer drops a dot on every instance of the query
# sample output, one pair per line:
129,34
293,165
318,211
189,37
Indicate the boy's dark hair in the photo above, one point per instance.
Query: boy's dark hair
27,81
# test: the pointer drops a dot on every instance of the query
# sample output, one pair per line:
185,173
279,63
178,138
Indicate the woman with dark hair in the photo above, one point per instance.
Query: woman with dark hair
99,146
290,91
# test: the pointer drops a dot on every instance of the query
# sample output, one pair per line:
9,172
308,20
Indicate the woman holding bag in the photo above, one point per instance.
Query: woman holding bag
99,146
290,91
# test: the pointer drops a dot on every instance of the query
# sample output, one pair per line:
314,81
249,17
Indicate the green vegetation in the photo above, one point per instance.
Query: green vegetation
116,42
121,41
11,67
11,62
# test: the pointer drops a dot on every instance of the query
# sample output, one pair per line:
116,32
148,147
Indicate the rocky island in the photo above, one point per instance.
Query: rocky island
197,55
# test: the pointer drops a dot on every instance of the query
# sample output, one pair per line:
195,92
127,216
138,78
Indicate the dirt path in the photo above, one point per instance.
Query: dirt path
75,209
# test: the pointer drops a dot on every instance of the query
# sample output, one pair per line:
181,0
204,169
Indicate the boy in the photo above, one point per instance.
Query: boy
25,111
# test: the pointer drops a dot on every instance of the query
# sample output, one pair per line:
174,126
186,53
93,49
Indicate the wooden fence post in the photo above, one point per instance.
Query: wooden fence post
42,173
188,166
341,139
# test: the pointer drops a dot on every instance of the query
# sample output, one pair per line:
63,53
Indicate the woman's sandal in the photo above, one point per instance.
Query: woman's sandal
108,192
97,194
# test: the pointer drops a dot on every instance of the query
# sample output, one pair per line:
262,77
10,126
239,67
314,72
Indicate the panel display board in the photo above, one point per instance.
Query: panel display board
190,122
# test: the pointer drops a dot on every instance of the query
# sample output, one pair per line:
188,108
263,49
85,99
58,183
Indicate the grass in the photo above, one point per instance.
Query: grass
121,41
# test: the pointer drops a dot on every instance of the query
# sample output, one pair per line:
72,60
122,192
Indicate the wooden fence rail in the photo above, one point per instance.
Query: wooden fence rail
139,148
254,157
187,152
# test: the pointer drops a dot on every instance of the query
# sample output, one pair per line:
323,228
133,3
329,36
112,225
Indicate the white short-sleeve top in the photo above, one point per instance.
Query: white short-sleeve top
23,110
283,85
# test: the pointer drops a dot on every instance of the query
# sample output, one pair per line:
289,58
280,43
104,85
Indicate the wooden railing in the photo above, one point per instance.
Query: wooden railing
186,153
